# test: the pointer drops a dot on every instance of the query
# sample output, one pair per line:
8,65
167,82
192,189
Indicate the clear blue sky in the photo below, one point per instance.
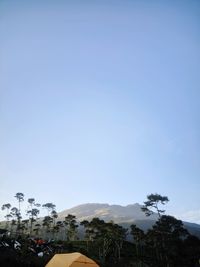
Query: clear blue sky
100,102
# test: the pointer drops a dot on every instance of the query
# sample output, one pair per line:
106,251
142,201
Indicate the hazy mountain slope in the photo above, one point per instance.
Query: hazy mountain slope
123,215
107,212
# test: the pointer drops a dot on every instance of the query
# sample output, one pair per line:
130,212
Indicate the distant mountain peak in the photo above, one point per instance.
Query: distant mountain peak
123,215
117,213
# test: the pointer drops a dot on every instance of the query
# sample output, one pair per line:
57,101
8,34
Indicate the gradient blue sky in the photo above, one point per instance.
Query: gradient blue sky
99,102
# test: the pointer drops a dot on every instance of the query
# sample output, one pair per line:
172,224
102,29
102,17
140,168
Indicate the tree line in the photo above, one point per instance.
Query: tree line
167,244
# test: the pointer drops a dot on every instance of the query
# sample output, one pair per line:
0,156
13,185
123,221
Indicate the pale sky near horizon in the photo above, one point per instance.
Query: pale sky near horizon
99,102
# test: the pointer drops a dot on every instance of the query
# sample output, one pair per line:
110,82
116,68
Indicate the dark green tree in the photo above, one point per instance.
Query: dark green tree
20,198
58,229
32,212
50,207
152,204
24,226
55,229
37,228
164,241
16,218
190,251
8,215
71,227
139,240
107,238
47,223
50,220
89,230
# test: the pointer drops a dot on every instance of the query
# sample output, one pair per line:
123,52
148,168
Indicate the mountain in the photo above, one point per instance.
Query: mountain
123,215
106,212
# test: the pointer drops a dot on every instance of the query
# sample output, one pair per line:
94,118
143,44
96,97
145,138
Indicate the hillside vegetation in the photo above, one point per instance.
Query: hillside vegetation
94,230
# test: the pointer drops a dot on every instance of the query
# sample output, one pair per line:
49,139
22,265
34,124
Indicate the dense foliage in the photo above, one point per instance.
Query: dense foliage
33,241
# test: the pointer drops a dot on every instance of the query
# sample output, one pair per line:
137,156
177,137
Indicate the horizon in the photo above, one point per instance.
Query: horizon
100,102
43,211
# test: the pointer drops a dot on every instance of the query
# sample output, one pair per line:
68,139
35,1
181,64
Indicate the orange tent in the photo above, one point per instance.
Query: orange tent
71,260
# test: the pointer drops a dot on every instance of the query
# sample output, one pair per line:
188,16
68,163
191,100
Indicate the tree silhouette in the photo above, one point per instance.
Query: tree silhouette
37,228
20,198
58,227
50,218
138,238
71,227
107,237
88,231
17,217
164,240
32,212
54,216
152,204
47,222
50,207
8,215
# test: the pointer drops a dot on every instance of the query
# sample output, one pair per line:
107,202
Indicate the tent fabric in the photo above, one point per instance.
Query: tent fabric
71,260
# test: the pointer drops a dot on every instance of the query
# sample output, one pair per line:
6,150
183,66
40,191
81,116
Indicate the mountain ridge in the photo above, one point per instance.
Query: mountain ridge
122,215
107,212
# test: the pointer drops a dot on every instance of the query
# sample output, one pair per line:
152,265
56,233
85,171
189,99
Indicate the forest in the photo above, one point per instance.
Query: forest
33,240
